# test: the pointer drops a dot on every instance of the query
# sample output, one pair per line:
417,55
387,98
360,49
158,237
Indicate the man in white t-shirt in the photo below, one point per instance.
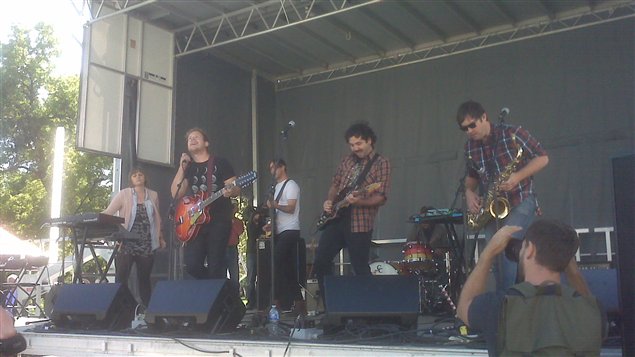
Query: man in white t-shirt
286,201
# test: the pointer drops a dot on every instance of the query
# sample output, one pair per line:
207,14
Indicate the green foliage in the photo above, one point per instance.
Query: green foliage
33,103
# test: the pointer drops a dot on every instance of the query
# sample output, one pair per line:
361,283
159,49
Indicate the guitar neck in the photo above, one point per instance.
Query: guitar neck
213,197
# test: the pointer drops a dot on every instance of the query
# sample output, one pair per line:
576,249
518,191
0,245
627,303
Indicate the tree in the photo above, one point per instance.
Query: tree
33,103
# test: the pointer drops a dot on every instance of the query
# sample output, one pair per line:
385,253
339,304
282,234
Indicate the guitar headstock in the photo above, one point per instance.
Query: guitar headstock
246,179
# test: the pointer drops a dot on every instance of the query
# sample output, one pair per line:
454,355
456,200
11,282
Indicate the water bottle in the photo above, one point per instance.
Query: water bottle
274,315
274,319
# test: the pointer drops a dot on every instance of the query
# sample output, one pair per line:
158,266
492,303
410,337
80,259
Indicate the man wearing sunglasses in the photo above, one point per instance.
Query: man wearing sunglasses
489,150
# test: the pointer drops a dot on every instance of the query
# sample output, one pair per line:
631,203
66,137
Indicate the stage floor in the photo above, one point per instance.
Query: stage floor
434,336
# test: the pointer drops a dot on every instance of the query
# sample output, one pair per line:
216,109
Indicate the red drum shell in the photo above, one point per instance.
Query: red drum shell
417,252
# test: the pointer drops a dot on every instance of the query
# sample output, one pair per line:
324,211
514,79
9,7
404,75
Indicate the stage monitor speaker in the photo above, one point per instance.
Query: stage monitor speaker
624,198
92,306
371,299
205,305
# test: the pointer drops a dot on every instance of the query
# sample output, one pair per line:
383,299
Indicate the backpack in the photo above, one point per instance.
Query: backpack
549,320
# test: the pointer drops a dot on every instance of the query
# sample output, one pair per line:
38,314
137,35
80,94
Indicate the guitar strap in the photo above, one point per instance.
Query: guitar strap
362,175
209,174
281,190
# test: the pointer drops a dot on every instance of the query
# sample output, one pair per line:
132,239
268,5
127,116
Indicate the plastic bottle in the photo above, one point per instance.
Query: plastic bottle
274,319
274,314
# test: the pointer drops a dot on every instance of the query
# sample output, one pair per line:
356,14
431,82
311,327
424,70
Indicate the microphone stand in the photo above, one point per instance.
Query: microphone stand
170,224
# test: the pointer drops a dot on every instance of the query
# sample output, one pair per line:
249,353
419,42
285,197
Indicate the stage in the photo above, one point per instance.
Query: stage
434,336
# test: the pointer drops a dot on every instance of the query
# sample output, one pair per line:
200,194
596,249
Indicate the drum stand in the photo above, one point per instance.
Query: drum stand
433,290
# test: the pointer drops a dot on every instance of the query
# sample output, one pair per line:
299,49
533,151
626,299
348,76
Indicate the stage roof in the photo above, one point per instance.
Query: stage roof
301,42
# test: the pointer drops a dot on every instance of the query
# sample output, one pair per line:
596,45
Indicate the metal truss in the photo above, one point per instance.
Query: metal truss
256,20
520,32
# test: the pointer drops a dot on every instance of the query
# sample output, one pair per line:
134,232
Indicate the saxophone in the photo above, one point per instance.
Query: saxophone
495,206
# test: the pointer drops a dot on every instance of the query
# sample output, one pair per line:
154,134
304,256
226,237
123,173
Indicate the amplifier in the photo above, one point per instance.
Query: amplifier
314,304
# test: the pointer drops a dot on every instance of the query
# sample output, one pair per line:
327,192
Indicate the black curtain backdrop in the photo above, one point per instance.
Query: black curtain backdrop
573,91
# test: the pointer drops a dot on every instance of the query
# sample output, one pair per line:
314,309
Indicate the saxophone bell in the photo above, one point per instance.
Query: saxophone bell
499,208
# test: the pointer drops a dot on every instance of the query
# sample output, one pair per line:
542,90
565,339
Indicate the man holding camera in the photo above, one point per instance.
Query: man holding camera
539,314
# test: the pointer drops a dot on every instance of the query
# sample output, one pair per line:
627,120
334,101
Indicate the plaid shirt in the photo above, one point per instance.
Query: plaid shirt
482,165
362,218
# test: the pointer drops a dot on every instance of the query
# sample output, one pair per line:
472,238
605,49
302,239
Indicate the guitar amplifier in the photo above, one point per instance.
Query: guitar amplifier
314,305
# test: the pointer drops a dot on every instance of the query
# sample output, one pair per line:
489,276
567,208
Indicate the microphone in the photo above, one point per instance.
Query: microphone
501,116
285,131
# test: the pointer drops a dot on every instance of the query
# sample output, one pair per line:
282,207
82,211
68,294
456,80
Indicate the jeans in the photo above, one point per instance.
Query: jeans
335,237
523,215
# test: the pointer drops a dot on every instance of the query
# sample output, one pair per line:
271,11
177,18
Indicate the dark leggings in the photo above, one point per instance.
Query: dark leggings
123,263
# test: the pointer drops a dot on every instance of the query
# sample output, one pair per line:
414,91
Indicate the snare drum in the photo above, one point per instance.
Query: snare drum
417,252
385,268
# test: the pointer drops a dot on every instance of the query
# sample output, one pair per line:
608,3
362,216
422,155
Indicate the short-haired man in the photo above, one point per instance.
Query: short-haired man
202,173
490,150
539,313
286,202
354,227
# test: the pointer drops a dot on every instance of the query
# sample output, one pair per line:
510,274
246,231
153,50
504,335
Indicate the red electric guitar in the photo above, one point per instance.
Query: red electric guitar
192,211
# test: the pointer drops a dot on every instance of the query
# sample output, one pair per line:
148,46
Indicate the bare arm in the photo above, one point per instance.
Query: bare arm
476,282
330,196
376,199
534,166
288,208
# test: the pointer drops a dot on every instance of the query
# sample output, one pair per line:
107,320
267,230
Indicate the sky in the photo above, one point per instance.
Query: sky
67,18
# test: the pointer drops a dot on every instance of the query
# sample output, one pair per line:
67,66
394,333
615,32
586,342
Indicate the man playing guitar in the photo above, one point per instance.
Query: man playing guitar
200,174
353,229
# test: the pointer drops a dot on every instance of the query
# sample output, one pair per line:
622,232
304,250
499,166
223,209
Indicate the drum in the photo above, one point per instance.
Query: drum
417,252
419,260
385,268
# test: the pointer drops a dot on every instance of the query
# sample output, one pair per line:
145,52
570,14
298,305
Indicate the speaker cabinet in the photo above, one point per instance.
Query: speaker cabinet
371,299
92,306
208,305
624,197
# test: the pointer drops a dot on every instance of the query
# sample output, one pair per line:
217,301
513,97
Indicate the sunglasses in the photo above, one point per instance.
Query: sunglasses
469,126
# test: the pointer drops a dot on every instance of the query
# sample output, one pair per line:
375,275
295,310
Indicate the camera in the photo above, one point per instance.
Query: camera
512,250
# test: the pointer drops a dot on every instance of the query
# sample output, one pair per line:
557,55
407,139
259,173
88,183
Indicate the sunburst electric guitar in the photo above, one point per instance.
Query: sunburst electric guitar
327,218
192,212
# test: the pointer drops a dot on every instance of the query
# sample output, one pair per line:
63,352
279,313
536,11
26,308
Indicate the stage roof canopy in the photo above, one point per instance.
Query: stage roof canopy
299,42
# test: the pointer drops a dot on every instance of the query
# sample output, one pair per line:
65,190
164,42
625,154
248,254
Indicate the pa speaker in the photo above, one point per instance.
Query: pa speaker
371,299
207,305
92,306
